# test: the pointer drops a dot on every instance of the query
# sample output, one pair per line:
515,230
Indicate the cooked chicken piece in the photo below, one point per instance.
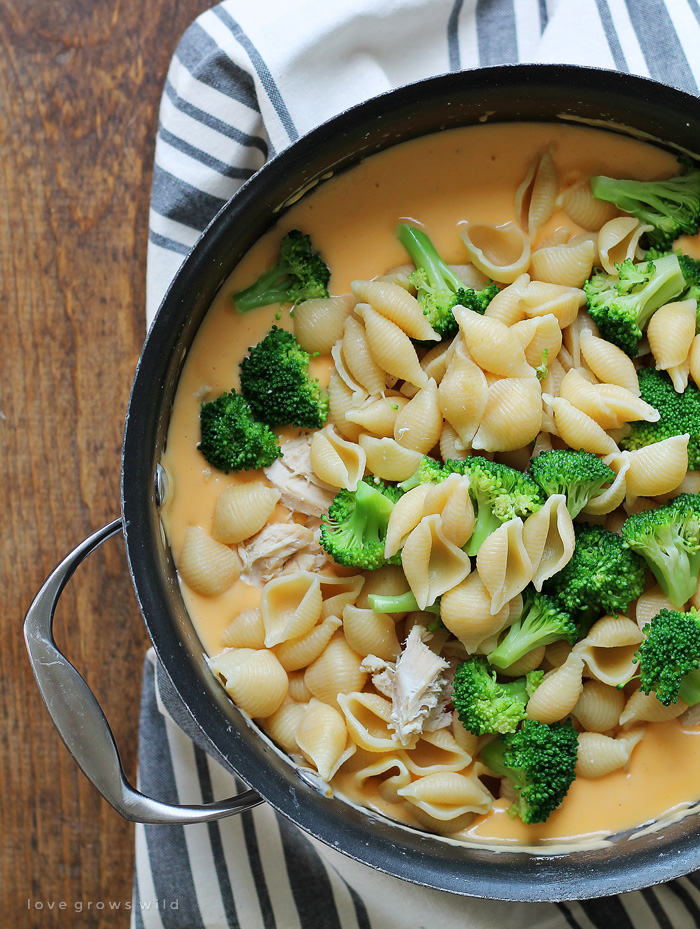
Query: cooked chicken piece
417,686
279,548
302,491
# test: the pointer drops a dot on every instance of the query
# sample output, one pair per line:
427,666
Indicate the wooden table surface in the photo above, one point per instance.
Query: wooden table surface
78,114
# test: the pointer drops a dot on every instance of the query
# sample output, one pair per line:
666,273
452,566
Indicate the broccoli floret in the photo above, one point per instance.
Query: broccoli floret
486,706
669,657
275,381
540,623
691,275
439,288
428,472
232,440
603,576
354,530
578,475
678,414
540,760
622,307
671,206
299,275
668,539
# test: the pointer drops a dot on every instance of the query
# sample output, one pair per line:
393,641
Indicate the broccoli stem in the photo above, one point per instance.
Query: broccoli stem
424,255
271,285
402,603
677,574
484,525
492,756
689,691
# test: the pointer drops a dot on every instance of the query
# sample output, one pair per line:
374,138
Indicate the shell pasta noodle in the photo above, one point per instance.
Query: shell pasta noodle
398,597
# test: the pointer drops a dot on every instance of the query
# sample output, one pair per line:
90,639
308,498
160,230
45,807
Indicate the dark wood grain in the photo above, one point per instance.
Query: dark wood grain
81,84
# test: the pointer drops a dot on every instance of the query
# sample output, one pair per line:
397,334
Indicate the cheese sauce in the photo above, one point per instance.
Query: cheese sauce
436,181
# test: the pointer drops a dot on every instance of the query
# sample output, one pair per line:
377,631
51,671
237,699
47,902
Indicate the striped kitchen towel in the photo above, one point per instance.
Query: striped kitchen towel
246,80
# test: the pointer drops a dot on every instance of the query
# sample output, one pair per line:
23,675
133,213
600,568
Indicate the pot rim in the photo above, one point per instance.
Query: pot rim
441,102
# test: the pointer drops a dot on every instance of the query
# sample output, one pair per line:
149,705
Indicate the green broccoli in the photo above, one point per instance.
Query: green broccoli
540,760
603,576
540,623
669,657
679,414
671,207
691,274
275,381
578,475
232,440
499,493
486,706
668,539
439,288
299,275
622,307
401,603
354,530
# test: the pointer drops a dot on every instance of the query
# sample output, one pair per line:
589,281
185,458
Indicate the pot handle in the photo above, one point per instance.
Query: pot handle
79,719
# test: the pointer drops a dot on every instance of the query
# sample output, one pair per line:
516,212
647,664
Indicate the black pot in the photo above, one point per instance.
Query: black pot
545,93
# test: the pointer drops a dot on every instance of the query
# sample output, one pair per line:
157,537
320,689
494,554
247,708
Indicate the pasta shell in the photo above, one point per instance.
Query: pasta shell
649,604
548,537
241,510
378,415
658,468
670,332
541,298
512,417
341,400
432,564
503,563
570,264
447,795
405,516
599,755
391,347
436,752
389,460
254,679
558,693
493,346
540,337
319,323
368,717
370,633
501,252
295,654
646,708
613,496
466,611
586,397
609,363
452,500
572,335
451,444
599,706
506,306
290,606
390,581
396,304
336,461
624,406
462,397
388,772
283,724
609,649
618,240
419,424
298,691
322,738
359,359
336,671
694,359
586,210
205,565
536,197
578,430
246,630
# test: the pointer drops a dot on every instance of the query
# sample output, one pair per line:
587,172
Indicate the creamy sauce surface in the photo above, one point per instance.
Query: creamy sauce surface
436,181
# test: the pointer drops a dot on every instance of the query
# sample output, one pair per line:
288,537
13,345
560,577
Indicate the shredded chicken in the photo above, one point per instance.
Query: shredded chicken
417,686
302,491
279,548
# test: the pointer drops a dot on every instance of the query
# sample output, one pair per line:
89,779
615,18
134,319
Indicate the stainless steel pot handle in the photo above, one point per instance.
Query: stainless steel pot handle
79,719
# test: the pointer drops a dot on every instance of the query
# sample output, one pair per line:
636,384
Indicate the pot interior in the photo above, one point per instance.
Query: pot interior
540,93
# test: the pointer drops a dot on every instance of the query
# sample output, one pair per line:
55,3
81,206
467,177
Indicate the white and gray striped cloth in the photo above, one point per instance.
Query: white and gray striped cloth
246,80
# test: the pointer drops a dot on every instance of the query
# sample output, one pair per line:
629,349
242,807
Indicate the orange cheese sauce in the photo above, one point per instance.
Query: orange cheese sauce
437,181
